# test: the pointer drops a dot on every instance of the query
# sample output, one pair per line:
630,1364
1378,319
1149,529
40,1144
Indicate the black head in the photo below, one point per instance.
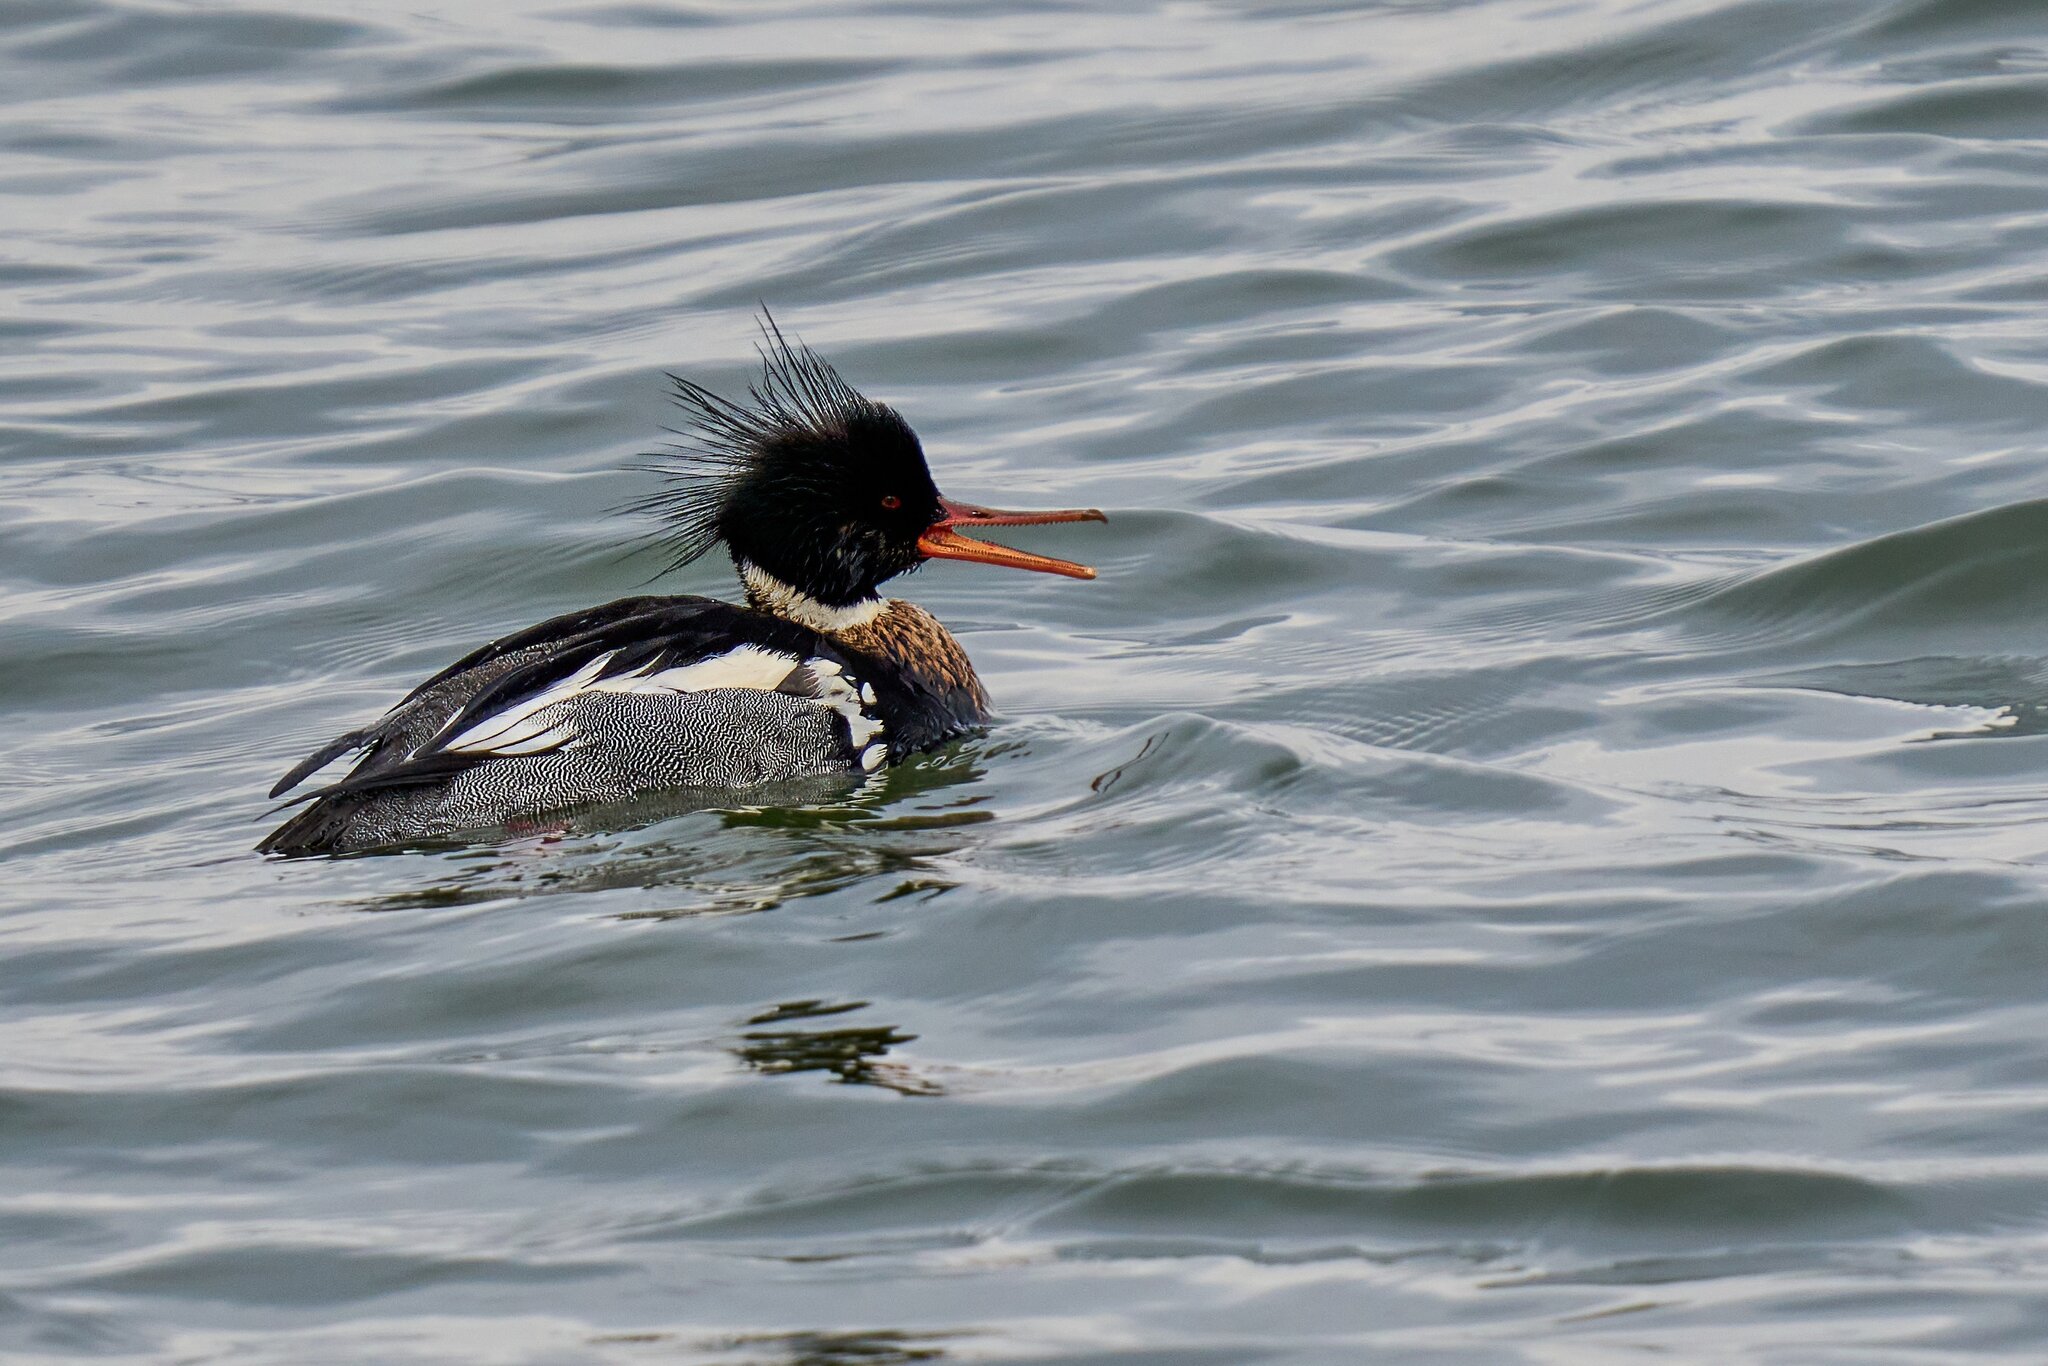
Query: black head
821,487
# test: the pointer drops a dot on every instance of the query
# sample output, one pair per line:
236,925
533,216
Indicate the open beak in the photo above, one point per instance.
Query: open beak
941,542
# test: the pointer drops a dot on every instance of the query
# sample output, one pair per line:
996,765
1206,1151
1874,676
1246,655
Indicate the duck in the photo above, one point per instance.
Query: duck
820,495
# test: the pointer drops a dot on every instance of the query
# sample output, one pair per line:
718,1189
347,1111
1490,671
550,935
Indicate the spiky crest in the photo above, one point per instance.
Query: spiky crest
798,400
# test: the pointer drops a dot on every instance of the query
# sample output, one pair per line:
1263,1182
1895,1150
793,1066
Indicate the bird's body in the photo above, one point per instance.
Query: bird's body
657,693
816,674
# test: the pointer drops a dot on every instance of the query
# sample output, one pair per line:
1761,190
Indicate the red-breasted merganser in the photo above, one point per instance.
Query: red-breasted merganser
821,495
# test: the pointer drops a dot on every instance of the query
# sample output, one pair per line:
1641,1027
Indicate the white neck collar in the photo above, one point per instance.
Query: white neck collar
770,594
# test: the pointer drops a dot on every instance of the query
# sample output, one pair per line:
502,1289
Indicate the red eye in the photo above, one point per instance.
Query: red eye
890,502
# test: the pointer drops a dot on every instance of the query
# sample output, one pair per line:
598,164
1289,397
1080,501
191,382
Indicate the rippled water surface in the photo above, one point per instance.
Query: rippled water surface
1532,851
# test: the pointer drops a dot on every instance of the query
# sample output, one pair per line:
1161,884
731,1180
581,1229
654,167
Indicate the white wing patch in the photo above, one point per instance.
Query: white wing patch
521,729
743,666
536,724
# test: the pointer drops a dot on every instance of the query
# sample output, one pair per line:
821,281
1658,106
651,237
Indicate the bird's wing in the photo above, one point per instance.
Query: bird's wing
692,645
422,711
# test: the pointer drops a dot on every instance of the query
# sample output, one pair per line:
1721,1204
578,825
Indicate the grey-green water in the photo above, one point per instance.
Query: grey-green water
1532,851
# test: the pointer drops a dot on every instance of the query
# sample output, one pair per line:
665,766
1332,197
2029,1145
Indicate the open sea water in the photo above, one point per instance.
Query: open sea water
1534,850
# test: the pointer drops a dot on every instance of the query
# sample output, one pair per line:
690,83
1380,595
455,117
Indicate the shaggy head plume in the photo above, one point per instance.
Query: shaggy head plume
808,479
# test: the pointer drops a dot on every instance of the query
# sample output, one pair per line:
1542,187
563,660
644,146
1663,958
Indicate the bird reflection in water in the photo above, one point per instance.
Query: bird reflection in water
876,1347
852,1055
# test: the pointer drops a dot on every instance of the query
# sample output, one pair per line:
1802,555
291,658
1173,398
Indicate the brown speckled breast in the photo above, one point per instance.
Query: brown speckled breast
911,638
